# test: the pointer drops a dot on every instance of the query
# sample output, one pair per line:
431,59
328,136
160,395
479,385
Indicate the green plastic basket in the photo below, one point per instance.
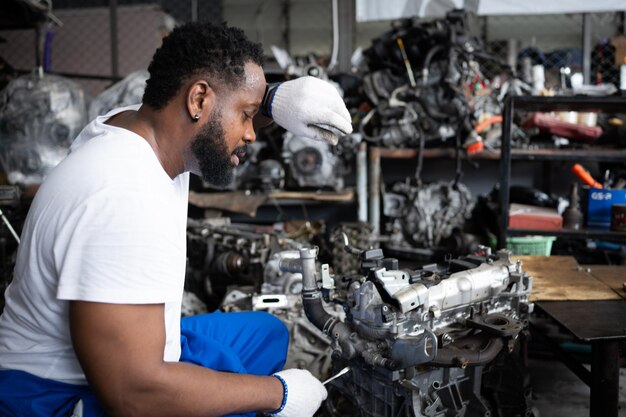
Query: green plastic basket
530,245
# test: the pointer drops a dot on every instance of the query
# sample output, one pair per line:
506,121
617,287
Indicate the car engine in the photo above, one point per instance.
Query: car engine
425,215
440,341
418,76
279,295
222,255
312,164
234,267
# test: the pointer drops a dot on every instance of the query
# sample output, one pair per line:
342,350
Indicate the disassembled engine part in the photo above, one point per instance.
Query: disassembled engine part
309,348
311,164
39,118
422,216
418,76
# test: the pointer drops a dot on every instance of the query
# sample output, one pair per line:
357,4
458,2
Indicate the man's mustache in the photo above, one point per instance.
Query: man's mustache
242,152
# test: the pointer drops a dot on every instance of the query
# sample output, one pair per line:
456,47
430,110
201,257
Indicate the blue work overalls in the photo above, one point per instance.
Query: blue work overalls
246,342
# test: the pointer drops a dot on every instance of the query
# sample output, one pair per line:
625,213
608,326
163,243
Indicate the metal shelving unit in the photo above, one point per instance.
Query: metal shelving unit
544,104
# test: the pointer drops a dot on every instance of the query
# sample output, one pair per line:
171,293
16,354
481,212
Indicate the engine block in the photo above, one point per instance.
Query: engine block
440,341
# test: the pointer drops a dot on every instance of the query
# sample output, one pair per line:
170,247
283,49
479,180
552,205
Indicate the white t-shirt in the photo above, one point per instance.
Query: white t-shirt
107,225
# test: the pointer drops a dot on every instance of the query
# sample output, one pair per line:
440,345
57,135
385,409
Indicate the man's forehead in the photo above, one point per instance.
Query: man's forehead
255,78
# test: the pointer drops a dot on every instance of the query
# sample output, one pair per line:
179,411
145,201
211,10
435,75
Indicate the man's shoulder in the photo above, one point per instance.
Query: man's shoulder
108,135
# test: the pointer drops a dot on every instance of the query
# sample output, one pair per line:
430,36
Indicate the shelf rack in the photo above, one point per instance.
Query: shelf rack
611,104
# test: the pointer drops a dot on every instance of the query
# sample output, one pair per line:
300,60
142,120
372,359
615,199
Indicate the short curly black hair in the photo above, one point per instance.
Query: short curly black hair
218,52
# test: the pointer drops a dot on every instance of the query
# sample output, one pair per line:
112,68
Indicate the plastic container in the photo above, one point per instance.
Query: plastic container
530,245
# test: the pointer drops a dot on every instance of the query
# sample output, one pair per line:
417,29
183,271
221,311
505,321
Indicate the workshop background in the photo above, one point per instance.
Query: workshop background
474,130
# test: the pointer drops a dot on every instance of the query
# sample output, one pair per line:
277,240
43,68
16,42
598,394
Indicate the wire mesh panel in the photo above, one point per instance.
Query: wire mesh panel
86,48
100,41
555,41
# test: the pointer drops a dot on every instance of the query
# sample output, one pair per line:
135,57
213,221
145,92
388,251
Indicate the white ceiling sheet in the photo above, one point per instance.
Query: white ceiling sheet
369,10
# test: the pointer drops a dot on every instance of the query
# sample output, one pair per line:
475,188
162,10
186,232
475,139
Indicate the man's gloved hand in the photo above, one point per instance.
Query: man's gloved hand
303,393
309,107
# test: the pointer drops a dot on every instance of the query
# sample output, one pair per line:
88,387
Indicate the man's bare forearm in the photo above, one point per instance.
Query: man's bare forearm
120,348
190,390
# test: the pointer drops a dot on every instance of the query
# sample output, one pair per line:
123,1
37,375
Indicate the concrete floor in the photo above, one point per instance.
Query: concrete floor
557,392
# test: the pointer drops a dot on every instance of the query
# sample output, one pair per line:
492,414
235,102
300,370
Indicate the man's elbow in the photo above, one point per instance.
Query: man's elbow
132,398
123,404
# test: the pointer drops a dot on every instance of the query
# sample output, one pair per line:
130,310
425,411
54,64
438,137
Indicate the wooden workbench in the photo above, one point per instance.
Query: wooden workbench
588,302
561,278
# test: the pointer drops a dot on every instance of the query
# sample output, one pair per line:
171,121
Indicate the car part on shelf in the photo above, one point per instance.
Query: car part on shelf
40,115
311,164
123,93
418,77
258,170
437,341
422,216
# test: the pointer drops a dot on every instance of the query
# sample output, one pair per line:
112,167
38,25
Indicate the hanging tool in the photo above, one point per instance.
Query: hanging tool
8,225
585,176
407,63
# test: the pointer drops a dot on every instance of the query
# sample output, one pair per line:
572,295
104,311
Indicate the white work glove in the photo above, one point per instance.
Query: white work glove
303,393
309,107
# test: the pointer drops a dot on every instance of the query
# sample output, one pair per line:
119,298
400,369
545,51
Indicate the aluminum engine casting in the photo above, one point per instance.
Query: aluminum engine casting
438,341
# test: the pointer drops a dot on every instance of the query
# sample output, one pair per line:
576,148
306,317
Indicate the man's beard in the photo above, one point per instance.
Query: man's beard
210,150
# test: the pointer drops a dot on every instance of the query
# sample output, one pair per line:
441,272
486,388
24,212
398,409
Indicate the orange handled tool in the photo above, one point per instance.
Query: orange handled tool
585,176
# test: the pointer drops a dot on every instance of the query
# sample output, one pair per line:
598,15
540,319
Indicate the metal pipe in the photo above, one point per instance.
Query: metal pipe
587,26
374,187
313,307
346,28
512,49
467,357
307,257
113,37
285,13
361,181
505,169
194,10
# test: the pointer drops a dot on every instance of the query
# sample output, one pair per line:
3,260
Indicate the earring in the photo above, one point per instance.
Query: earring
196,117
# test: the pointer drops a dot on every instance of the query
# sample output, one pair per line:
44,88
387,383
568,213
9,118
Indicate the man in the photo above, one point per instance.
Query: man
92,321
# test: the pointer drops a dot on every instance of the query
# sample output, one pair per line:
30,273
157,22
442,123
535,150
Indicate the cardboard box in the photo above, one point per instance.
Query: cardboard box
619,42
522,216
599,202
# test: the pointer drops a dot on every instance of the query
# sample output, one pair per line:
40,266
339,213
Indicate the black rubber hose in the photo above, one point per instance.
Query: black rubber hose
371,333
329,325
315,312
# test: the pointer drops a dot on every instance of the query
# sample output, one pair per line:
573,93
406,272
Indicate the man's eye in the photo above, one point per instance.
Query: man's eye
246,116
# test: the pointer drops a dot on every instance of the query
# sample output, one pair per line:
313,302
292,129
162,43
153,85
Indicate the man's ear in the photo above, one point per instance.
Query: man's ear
200,100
